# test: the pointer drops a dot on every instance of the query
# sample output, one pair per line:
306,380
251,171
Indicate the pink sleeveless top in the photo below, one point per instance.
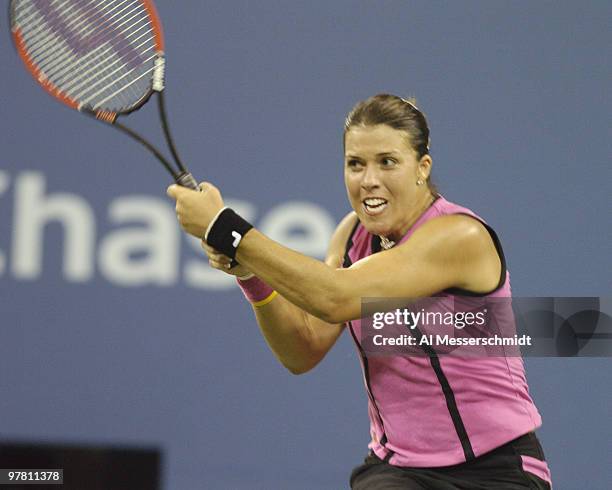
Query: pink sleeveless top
428,411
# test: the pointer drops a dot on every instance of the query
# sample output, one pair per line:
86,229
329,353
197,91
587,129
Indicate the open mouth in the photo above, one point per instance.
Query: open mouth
374,205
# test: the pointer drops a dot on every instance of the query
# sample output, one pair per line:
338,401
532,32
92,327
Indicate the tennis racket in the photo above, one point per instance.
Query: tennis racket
104,58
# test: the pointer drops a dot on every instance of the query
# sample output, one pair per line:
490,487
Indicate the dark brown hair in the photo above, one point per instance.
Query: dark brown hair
398,113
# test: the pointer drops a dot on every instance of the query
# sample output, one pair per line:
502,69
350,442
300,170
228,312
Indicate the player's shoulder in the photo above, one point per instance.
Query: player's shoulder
447,234
457,226
341,235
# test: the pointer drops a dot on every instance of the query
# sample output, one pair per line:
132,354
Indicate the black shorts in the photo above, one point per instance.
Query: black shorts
501,468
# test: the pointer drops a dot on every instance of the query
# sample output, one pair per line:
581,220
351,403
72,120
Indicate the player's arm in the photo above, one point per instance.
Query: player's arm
449,251
298,339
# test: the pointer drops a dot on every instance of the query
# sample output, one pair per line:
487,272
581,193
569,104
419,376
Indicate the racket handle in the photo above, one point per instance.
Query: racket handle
185,179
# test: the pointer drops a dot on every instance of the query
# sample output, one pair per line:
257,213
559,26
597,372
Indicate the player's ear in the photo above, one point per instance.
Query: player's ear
424,167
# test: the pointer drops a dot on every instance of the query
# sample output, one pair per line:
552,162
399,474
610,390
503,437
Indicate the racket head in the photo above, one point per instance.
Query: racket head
100,56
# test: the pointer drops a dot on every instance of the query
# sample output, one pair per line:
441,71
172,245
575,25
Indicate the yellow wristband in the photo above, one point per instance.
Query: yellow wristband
264,302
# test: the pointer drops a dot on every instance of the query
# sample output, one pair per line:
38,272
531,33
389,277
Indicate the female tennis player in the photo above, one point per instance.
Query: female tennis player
436,422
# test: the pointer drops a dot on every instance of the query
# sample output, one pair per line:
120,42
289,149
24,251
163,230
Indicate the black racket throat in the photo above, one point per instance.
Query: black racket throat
180,174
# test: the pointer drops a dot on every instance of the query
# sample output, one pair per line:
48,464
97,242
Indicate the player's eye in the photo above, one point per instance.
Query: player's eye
353,163
388,162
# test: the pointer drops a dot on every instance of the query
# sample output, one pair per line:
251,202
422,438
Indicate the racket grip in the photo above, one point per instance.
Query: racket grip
185,179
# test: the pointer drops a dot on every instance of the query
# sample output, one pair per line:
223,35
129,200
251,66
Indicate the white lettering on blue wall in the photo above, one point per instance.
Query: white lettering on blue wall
138,243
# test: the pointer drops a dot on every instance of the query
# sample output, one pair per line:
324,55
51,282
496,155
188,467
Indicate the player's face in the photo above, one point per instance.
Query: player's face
381,172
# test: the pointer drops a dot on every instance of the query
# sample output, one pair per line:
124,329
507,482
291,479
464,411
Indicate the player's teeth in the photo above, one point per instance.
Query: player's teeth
374,202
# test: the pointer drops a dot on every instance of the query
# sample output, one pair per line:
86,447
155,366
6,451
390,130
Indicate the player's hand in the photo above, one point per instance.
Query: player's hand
195,210
222,262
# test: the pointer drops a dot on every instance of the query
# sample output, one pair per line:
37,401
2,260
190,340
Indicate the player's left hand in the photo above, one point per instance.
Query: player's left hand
195,210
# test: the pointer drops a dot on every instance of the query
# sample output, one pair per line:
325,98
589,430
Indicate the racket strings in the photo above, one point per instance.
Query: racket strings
105,28
78,82
99,53
43,34
59,57
89,61
28,12
89,101
90,35
92,74
68,18
40,26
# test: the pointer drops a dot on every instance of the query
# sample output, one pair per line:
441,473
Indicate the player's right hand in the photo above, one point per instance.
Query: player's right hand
222,262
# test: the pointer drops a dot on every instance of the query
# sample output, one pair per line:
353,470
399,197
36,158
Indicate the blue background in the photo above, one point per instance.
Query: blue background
517,96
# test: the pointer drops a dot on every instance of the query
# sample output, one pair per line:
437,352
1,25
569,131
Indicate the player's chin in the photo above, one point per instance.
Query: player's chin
374,224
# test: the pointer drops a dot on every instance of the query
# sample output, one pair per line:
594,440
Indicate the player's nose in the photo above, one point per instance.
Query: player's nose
370,178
